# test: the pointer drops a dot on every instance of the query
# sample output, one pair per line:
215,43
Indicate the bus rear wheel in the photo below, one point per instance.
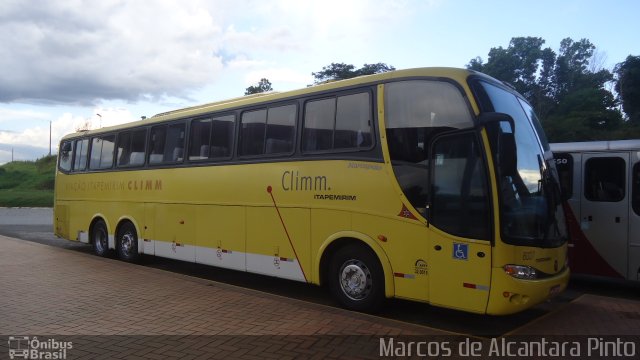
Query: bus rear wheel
357,279
100,239
127,243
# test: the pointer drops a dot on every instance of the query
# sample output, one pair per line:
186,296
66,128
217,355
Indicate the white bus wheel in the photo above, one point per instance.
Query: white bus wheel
357,279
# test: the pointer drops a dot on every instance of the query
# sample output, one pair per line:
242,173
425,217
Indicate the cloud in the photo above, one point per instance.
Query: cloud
38,136
278,75
280,38
78,51
8,115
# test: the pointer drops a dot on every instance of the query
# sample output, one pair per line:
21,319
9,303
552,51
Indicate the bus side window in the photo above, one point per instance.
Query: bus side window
635,189
268,131
82,148
138,147
167,144
124,139
174,149
66,156
353,122
252,131
211,138
156,144
604,179
319,119
199,147
281,122
341,123
131,147
222,133
102,152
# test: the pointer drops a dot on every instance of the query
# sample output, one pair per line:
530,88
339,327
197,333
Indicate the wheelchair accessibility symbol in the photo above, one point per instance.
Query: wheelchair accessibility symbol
460,251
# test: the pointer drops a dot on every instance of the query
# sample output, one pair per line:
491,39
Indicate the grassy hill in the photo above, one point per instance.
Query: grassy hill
28,183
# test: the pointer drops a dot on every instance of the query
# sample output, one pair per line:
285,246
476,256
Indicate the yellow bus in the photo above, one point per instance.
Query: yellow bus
435,185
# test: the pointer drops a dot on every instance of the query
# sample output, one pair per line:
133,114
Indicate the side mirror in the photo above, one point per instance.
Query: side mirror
503,128
495,118
507,154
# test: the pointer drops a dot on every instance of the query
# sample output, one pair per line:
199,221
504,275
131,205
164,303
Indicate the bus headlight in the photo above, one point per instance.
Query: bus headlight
521,272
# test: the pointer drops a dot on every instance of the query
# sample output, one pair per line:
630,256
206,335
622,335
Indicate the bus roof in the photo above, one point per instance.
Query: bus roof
596,146
457,74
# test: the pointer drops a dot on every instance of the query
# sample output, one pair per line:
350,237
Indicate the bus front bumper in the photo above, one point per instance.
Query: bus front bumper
511,295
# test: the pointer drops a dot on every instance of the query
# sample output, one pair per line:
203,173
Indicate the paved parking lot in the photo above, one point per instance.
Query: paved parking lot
54,291
111,308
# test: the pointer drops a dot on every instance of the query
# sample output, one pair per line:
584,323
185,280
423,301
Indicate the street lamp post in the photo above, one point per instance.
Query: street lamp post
100,121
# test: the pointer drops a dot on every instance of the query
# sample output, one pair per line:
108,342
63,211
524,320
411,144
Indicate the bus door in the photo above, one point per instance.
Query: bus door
460,222
569,166
604,207
634,219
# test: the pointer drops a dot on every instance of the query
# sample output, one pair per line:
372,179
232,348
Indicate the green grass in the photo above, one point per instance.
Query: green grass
28,183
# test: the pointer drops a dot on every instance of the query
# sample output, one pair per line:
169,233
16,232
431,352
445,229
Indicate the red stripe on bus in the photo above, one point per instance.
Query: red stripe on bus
583,256
269,190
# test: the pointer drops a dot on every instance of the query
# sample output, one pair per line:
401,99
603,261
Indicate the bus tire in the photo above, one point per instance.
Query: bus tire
127,243
100,239
356,278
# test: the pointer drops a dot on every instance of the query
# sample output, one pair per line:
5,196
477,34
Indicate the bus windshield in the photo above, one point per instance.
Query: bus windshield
530,202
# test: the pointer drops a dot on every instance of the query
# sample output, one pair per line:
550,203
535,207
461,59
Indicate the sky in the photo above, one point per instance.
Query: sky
71,64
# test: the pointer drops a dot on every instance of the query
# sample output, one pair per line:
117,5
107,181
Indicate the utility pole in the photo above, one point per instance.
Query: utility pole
49,137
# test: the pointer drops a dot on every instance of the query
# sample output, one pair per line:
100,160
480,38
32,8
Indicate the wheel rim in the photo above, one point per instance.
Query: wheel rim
127,243
100,240
355,279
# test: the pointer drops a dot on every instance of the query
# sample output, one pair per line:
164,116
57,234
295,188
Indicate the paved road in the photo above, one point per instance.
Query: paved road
36,225
33,224
26,216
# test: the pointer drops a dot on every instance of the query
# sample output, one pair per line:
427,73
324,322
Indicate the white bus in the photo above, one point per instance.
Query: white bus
601,182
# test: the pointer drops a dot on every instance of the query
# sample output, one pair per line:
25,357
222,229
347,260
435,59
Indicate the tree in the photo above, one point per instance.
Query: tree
628,87
568,94
370,69
341,71
584,114
263,86
571,68
518,64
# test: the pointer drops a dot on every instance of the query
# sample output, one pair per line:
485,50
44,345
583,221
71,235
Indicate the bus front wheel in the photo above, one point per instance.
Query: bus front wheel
357,279
100,239
127,243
